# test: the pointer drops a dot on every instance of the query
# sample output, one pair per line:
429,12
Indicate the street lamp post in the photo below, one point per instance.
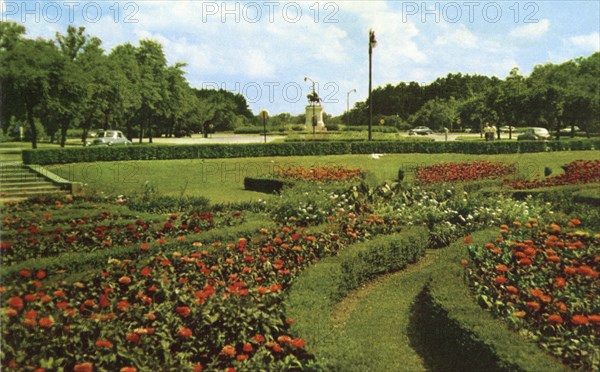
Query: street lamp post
348,106
372,44
314,118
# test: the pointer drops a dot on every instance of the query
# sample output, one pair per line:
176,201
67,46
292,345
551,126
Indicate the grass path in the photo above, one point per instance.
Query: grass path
371,324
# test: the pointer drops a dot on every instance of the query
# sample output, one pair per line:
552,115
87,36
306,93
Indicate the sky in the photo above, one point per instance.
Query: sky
265,49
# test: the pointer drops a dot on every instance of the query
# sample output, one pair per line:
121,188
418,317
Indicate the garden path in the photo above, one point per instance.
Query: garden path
375,318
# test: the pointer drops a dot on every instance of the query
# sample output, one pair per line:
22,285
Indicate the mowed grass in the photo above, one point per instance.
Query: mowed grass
221,180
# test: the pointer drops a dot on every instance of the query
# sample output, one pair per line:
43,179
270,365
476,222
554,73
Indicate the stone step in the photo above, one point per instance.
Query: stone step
26,191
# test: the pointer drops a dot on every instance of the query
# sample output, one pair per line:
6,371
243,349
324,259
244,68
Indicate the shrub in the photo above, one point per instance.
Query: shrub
382,255
266,185
211,151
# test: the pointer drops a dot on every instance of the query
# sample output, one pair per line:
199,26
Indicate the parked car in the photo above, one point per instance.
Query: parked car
420,130
109,138
535,134
567,130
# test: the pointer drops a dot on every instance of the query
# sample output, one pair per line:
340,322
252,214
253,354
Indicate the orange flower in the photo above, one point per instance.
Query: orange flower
247,347
570,270
468,240
500,279
525,261
533,305
585,270
128,369
83,367
553,258
184,332
559,282
520,314
501,268
297,342
46,322
536,292
124,280
242,357
574,222
228,351
562,307
259,338
546,298
554,319
464,262
579,319
512,289
595,319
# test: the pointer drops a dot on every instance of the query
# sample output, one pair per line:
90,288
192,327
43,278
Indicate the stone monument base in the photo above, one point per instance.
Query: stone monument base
318,112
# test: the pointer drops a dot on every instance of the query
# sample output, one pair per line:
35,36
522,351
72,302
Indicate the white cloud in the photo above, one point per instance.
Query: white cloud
532,30
458,37
258,65
589,42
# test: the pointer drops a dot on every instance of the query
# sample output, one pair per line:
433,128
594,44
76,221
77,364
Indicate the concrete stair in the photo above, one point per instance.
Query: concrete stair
19,181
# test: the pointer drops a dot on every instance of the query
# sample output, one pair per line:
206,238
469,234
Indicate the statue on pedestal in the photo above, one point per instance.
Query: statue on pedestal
314,112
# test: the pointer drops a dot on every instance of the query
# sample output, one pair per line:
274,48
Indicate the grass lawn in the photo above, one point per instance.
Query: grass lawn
221,180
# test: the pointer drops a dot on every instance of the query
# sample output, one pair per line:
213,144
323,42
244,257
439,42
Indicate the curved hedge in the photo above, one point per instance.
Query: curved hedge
449,324
212,151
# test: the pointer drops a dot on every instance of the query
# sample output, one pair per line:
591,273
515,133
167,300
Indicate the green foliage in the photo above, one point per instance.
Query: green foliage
382,255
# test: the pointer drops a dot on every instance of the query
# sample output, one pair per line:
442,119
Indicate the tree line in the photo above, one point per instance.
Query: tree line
71,82
553,96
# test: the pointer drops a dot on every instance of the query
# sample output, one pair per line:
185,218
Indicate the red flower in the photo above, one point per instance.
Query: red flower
15,303
554,319
184,332
259,338
133,337
247,347
579,319
594,319
512,289
184,311
533,305
128,369
84,367
144,246
500,279
146,271
297,342
25,273
104,343
40,274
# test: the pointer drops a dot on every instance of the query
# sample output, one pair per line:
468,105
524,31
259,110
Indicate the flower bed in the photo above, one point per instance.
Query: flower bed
576,172
544,281
321,173
467,171
215,306
32,230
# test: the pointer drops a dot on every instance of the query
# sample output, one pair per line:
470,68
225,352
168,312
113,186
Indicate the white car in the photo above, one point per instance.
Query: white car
110,138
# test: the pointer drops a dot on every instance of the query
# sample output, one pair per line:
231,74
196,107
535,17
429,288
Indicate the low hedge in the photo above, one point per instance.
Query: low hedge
212,151
382,255
266,185
452,326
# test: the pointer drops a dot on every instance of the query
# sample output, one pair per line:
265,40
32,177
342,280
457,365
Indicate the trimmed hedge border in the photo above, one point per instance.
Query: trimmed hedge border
265,185
457,325
212,151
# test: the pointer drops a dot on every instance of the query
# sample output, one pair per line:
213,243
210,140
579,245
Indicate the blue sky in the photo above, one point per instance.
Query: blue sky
264,49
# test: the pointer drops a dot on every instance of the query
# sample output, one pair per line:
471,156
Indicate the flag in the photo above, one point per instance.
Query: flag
372,41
